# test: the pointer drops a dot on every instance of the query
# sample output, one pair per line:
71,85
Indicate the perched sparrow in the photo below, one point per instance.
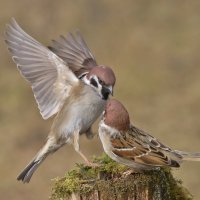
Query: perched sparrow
133,147
57,90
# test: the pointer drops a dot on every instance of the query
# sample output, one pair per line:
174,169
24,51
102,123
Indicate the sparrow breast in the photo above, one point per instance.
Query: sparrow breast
79,112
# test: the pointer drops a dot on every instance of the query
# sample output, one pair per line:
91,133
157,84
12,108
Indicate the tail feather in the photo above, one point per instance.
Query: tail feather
26,174
189,156
48,148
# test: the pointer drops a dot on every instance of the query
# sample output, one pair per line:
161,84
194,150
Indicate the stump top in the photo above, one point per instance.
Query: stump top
111,181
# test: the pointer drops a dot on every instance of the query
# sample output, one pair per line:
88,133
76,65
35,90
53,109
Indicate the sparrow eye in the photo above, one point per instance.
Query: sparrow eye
93,82
100,81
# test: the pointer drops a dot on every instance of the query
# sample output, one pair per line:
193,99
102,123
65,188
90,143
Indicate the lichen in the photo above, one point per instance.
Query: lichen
110,180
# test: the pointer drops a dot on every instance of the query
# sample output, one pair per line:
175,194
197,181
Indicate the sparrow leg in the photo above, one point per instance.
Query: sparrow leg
77,148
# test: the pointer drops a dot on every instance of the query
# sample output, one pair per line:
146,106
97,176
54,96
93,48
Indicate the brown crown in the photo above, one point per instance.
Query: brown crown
116,115
104,73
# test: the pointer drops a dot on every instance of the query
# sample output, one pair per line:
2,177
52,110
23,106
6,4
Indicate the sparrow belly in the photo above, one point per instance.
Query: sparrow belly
79,114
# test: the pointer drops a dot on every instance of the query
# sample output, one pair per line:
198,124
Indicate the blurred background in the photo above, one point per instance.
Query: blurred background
153,47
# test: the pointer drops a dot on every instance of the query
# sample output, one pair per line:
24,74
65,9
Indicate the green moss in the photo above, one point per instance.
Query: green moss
109,176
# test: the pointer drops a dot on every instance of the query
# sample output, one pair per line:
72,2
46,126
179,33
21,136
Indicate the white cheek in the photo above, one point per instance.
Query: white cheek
112,131
86,81
99,88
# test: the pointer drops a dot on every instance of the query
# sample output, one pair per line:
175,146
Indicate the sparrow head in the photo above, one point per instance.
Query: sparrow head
116,115
103,79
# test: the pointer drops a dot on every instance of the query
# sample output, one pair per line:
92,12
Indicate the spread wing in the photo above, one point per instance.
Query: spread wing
51,80
142,148
75,52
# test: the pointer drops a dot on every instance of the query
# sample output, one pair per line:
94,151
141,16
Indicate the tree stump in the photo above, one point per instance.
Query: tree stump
112,181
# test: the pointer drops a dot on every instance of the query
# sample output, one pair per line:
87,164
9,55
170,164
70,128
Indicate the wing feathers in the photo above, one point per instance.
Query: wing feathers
75,52
50,78
144,149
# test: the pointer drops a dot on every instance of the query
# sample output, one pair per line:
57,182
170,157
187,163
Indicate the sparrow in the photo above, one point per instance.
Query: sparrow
74,51
57,90
133,147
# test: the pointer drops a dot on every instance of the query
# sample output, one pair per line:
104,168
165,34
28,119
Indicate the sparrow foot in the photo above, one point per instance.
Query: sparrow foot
87,162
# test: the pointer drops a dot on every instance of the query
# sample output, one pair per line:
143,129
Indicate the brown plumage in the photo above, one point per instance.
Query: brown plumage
116,118
104,73
131,146
75,52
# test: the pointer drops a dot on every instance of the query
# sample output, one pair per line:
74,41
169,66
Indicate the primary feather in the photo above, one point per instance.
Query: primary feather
51,80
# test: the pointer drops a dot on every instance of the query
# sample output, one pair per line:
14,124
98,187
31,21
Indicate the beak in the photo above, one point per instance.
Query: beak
110,88
106,91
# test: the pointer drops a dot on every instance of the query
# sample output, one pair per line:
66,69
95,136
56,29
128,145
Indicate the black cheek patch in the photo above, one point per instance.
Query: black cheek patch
105,93
93,82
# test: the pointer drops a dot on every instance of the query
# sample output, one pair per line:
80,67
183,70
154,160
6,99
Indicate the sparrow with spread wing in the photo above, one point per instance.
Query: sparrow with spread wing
75,52
133,147
57,90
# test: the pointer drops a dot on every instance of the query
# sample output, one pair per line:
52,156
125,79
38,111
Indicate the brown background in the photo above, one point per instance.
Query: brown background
153,46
